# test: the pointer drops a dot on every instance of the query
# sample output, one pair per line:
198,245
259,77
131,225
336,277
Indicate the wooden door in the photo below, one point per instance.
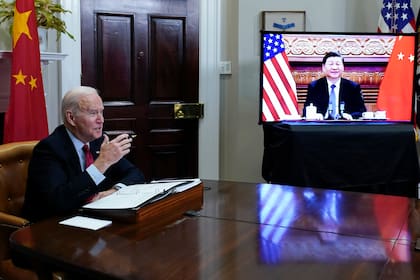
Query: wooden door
142,55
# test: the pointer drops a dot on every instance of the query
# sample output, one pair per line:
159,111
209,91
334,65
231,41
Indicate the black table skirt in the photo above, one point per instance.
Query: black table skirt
378,157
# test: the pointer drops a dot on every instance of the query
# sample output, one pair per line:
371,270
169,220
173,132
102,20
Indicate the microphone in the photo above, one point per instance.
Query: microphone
342,109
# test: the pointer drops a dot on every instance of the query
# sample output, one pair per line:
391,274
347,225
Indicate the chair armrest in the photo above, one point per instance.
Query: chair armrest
13,221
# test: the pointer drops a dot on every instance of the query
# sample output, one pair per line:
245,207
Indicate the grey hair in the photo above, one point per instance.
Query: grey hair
72,98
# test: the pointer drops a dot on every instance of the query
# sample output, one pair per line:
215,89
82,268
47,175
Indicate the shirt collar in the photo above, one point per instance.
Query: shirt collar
337,85
76,142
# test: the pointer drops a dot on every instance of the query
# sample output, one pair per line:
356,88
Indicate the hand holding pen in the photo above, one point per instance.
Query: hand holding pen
113,150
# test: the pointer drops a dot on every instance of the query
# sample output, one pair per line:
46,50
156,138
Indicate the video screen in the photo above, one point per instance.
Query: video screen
372,76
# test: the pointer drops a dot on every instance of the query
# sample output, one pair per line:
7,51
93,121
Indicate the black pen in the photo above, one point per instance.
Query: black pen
132,136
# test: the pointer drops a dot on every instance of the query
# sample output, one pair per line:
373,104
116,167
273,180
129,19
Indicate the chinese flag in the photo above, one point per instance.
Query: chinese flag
396,88
26,117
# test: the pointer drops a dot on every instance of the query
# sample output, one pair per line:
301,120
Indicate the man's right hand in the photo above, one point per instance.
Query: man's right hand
112,151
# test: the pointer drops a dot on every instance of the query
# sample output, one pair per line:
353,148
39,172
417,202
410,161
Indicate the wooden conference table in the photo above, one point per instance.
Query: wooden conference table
244,231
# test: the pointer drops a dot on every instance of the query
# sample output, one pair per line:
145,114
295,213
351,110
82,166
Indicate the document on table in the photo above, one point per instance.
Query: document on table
85,222
184,184
136,195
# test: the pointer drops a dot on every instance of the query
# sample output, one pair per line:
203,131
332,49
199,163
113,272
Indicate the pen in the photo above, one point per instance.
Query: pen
132,136
116,133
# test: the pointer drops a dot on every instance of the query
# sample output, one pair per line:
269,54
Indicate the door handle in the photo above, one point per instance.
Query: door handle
188,110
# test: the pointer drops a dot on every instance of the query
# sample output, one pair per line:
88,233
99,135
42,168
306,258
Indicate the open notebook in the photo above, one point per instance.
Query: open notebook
134,196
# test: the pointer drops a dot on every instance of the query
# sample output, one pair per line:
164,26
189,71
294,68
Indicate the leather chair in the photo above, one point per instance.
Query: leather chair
14,160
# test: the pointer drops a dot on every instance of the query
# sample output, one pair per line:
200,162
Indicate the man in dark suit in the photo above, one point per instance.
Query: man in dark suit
334,96
61,177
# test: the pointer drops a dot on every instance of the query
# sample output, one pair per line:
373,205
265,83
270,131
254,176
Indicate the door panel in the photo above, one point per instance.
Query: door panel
167,50
115,59
143,58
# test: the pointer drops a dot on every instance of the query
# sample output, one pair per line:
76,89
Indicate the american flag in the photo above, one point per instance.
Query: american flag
279,88
397,16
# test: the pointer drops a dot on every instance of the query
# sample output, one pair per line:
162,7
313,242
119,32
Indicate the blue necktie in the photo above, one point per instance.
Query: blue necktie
333,101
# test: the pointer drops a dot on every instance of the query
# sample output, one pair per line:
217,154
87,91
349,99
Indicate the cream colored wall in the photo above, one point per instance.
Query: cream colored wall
241,138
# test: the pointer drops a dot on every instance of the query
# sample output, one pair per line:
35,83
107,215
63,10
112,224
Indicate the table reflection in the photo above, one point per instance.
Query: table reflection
323,226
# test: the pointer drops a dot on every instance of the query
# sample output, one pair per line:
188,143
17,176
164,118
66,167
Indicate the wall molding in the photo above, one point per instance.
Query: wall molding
46,57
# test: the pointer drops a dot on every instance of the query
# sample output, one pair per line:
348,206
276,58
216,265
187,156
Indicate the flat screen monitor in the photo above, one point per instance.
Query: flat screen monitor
382,64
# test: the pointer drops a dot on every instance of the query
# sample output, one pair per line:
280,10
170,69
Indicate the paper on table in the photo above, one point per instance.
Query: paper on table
85,222
185,183
132,196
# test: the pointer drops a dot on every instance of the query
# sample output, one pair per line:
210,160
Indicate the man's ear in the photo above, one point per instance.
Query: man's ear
70,118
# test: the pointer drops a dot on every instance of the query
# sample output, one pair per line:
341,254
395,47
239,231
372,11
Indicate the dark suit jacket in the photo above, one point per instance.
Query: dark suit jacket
350,93
56,184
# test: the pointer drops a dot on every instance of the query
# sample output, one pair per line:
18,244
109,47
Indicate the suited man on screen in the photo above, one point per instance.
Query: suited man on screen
334,96
62,176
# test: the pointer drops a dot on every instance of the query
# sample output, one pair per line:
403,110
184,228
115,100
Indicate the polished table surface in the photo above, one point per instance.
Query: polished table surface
368,156
244,231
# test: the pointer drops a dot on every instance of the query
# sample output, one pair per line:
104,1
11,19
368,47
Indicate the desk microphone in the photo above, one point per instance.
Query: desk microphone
330,111
341,109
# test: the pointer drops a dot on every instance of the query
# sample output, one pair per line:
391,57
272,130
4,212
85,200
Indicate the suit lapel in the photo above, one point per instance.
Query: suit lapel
69,153
340,92
325,90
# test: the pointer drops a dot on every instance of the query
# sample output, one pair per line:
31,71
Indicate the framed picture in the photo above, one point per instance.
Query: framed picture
284,20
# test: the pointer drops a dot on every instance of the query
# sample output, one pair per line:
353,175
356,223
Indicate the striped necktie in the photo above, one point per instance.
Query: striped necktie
88,156
333,101
88,161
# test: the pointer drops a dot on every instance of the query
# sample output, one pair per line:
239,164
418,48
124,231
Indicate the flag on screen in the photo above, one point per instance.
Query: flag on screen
279,88
397,16
395,90
418,69
418,43
26,117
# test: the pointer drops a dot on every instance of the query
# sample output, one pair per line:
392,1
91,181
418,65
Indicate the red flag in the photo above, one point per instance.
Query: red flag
26,117
279,88
396,88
